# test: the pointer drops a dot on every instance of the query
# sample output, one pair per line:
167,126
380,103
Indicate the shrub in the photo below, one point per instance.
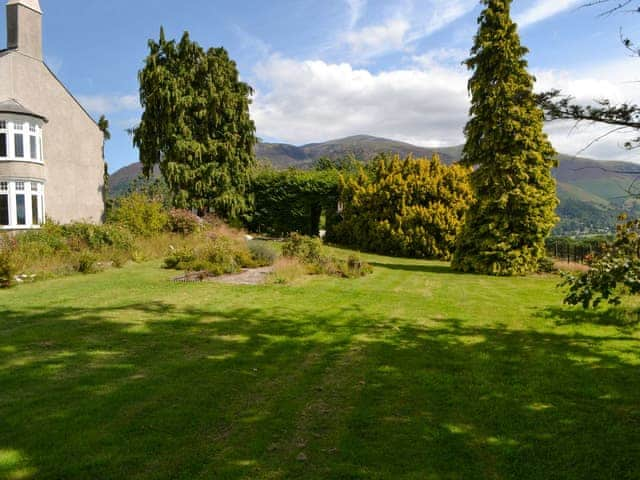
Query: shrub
547,265
218,255
306,249
82,235
86,262
309,251
223,255
140,215
356,267
411,207
183,221
613,272
262,253
10,261
180,259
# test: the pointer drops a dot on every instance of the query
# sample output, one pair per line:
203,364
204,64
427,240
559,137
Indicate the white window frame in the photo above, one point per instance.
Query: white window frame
28,193
28,124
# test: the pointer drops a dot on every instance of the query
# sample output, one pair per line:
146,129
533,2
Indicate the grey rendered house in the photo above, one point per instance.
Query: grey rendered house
51,161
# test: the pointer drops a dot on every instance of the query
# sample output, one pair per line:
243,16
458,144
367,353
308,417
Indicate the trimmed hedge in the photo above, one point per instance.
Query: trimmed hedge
294,201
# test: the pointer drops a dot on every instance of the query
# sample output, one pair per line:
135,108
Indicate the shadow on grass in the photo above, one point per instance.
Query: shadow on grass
613,317
415,268
154,391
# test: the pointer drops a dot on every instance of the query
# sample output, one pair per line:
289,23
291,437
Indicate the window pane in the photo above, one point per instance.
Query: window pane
3,144
35,218
20,210
34,147
19,145
4,210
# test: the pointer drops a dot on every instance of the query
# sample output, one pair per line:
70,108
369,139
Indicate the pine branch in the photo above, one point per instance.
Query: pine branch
620,6
624,116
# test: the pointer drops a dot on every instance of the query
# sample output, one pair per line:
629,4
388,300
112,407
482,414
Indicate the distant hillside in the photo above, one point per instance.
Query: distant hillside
592,193
282,155
364,147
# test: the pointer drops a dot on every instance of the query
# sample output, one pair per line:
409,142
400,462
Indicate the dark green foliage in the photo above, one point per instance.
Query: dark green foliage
614,272
411,207
346,165
139,214
506,227
103,125
293,200
154,188
196,125
183,221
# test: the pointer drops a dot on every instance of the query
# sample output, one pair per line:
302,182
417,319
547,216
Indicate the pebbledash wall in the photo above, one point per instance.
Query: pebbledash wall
51,161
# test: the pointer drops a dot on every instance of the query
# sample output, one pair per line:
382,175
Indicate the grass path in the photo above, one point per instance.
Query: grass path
411,373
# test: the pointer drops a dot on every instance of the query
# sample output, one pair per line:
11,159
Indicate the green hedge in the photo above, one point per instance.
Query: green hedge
293,201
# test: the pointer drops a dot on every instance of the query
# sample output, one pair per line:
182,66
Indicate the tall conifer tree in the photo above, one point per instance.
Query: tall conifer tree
196,125
515,193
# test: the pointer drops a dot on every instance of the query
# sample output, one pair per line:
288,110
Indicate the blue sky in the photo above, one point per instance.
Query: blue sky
332,68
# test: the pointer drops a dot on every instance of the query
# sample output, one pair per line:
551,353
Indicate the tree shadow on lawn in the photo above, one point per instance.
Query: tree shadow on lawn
416,268
154,391
610,316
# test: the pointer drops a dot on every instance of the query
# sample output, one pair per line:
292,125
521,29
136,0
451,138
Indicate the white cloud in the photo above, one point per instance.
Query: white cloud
407,22
440,57
427,104
102,104
543,9
378,39
314,101
613,81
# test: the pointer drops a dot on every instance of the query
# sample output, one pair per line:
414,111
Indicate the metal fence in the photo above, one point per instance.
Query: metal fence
573,251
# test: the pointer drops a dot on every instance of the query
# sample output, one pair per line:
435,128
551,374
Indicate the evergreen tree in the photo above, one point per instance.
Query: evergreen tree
196,125
515,193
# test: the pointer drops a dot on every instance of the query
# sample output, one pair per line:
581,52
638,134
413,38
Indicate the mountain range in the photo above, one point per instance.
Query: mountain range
592,193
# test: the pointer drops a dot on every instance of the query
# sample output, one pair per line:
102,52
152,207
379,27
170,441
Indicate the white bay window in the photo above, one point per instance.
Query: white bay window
21,204
20,139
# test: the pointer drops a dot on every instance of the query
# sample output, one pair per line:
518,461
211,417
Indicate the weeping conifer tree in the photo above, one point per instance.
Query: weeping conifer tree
515,193
196,125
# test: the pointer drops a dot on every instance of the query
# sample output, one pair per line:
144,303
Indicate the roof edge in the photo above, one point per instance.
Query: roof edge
22,111
93,120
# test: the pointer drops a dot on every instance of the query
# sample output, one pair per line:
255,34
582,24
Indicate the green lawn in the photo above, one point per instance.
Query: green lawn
411,373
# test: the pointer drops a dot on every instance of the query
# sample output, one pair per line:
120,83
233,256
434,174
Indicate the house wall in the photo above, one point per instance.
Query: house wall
72,142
